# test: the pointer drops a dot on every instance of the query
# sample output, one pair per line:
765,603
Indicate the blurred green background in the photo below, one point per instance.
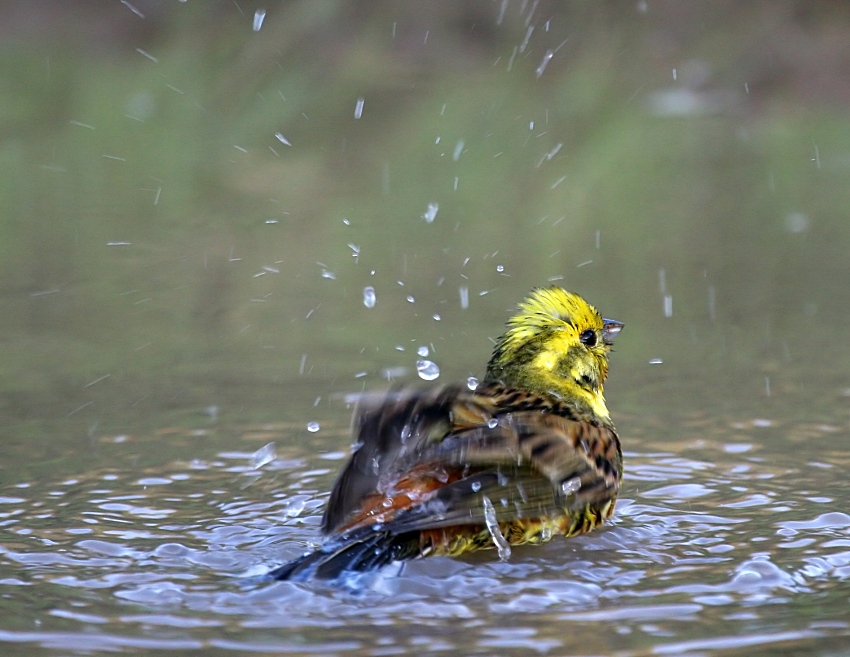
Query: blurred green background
192,207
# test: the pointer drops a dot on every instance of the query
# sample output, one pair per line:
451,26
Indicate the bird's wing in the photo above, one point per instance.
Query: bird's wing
529,465
388,429
427,460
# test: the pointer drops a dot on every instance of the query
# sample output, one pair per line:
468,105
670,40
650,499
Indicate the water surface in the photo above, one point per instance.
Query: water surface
217,228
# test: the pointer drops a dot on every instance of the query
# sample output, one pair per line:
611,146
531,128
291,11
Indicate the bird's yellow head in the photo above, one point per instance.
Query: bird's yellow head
557,345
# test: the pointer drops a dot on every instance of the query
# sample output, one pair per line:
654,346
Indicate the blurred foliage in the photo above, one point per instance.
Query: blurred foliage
154,228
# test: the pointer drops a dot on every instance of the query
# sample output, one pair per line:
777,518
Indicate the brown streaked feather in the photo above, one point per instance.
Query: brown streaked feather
529,454
427,460
386,429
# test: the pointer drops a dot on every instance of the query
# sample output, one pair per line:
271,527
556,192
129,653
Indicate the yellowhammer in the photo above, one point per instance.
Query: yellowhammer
530,453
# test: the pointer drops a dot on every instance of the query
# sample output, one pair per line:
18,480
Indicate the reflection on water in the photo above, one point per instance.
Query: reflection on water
721,541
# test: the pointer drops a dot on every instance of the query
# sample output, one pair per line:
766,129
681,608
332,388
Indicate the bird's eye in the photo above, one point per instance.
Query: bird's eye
588,338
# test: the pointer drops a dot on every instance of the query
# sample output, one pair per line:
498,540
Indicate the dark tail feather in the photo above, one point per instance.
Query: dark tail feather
360,551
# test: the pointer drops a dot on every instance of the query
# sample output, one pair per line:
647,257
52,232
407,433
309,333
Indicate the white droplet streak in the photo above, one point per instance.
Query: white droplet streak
502,545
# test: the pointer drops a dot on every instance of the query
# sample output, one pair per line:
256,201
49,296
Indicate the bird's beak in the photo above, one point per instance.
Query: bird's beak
610,329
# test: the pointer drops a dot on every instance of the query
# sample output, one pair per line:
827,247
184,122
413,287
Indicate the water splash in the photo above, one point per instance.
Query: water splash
543,64
427,370
262,456
458,150
431,213
502,545
571,486
463,290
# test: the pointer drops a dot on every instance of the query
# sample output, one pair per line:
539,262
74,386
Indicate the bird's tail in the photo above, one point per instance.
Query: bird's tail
362,550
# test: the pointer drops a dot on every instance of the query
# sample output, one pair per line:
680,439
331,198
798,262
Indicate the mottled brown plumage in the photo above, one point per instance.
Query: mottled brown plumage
529,454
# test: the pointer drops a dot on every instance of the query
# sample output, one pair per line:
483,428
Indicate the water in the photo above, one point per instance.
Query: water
190,252
431,213
267,453
721,537
427,370
259,17
503,548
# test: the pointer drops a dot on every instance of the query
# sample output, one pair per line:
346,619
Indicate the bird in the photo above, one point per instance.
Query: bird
530,453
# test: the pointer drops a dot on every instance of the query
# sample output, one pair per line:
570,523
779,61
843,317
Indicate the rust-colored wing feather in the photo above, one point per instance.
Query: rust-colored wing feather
388,430
429,460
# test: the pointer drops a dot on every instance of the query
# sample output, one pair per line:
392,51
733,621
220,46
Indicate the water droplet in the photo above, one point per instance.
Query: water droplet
369,298
423,351
313,427
358,108
431,213
543,64
294,507
656,361
387,503
282,139
472,383
410,299
262,456
492,423
500,268
259,17
427,370
554,151
502,545
326,273
571,486
475,486
458,150
463,290
437,317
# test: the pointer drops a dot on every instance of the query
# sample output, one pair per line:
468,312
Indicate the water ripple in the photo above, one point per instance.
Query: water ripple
704,537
